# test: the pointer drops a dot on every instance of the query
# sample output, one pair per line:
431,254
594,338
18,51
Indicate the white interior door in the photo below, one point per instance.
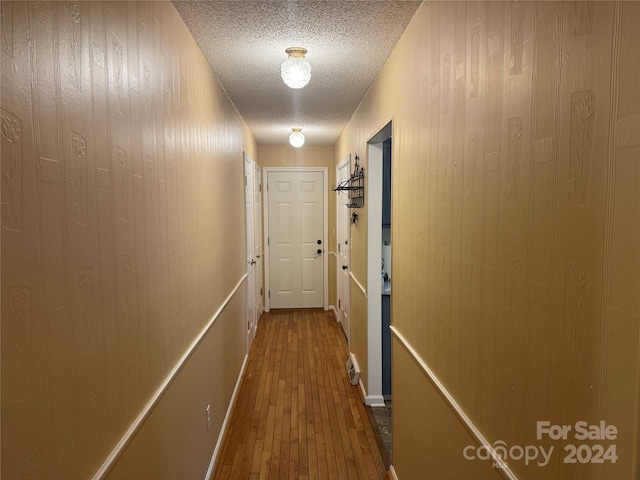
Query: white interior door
257,249
250,246
343,249
296,239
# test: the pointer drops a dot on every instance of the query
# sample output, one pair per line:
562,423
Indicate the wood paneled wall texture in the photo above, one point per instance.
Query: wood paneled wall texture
122,220
516,219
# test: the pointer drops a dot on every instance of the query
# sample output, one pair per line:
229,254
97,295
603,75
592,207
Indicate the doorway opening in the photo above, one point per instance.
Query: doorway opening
379,278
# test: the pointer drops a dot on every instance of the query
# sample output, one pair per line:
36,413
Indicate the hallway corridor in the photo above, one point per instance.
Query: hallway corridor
297,415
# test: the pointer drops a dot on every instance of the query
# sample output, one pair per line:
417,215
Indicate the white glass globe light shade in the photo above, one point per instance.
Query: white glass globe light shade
296,70
296,139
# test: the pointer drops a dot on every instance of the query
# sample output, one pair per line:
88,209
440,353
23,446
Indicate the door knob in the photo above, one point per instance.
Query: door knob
344,267
319,251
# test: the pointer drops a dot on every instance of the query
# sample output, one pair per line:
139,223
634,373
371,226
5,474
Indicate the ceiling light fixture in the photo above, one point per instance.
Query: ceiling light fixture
296,139
296,70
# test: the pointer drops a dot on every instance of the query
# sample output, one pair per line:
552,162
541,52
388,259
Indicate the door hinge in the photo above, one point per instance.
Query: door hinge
268,241
339,303
267,187
260,291
269,293
338,248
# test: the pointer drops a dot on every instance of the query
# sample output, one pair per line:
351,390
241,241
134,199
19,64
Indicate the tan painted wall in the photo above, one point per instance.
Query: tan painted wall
288,156
310,156
358,342
428,454
174,442
516,232
358,258
122,234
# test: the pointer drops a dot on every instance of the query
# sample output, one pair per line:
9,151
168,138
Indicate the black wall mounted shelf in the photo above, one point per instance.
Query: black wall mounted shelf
354,186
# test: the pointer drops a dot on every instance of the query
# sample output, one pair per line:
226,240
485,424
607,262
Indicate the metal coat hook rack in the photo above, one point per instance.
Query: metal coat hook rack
354,186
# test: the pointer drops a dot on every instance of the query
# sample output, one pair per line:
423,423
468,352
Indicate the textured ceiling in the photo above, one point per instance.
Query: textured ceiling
347,43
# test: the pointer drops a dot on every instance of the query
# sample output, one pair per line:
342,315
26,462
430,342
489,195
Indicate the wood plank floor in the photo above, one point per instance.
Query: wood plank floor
296,415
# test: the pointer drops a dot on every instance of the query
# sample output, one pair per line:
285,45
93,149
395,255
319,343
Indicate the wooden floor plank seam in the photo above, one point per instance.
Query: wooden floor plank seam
297,416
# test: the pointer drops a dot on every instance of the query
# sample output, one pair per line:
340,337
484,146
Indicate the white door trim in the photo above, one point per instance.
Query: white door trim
250,314
344,163
373,180
325,211
258,253
374,267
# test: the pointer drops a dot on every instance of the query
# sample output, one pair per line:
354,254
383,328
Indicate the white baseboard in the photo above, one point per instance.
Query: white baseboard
335,312
227,417
369,400
374,400
363,391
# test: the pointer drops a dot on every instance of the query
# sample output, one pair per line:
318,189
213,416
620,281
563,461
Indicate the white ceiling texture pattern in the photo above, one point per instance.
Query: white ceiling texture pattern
347,42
